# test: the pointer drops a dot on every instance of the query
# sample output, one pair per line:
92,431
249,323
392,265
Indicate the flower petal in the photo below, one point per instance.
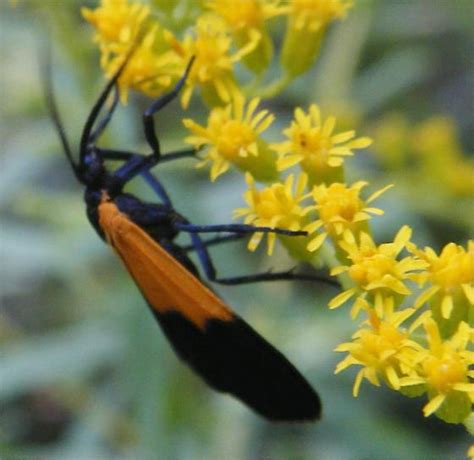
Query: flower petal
433,405
342,298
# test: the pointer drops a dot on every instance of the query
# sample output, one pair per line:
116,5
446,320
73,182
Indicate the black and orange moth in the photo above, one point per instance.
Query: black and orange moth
205,333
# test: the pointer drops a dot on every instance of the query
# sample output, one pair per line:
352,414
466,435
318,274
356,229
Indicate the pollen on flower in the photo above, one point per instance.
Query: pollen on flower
212,70
383,348
278,205
315,14
450,274
312,143
446,369
340,208
376,270
231,135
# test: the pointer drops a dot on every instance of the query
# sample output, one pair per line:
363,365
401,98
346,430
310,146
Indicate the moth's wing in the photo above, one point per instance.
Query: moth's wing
213,340
233,358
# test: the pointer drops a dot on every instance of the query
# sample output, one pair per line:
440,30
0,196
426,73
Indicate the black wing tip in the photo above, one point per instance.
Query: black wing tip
302,405
285,414
279,392
233,358
309,415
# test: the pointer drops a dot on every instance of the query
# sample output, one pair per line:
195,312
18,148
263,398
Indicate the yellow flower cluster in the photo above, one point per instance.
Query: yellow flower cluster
383,284
417,304
437,148
430,150
443,370
330,205
246,21
213,69
379,278
340,208
122,26
275,206
225,33
382,348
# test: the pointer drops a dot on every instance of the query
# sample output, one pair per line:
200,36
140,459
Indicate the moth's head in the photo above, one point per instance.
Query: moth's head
92,173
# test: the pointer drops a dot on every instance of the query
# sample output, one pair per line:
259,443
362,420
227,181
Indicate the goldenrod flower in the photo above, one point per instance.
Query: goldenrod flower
383,348
274,206
312,15
232,136
451,279
312,144
210,44
245,18
121,26
376,271
432,150
307,21
118,24
147,71
241,15
446,371
340,208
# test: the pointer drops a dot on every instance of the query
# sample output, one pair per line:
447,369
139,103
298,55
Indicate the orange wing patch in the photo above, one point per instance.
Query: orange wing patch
163,281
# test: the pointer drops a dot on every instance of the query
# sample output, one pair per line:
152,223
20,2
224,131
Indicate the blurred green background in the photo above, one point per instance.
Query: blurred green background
85,372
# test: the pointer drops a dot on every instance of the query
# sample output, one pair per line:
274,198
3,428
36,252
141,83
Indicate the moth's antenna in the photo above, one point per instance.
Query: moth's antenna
91,119
47,83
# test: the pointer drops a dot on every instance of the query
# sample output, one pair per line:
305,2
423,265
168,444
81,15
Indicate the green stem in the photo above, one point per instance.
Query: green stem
252,89
276,87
